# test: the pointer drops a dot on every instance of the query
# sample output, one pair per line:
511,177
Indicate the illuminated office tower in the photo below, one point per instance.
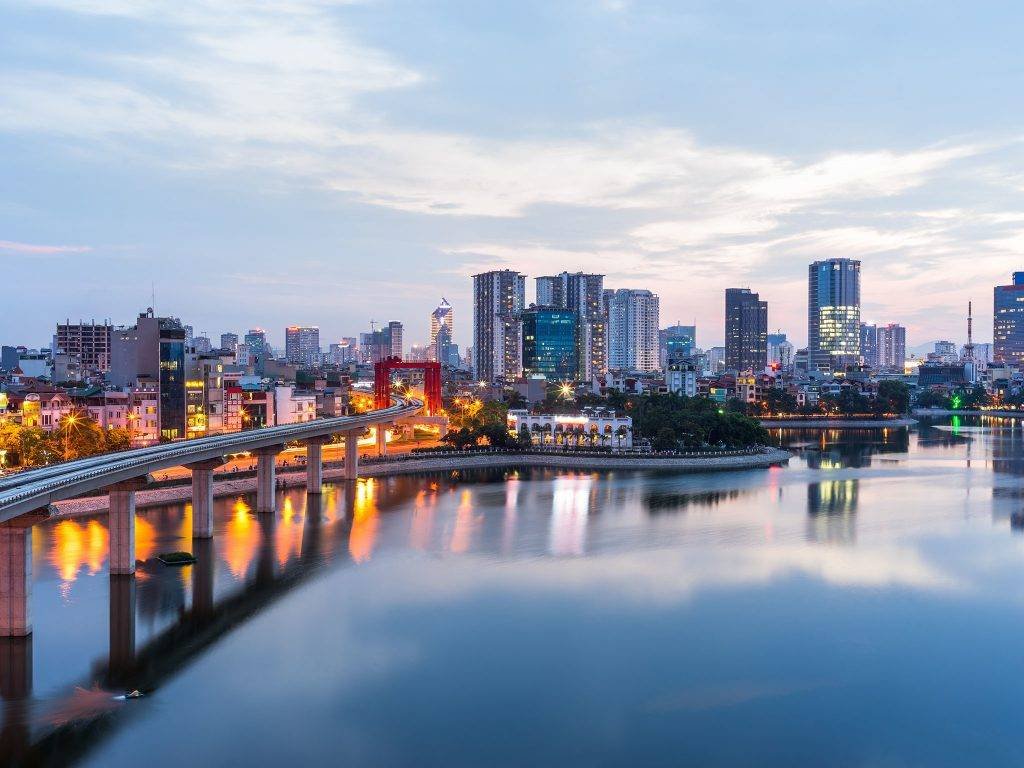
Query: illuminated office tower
833,314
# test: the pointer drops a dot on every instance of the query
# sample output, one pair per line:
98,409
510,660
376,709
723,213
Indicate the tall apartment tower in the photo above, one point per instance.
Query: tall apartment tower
397,332
582,294
746,330
442,317
869,345
1008,321
302,345
89,342
892,347
633,323
498,299
833,314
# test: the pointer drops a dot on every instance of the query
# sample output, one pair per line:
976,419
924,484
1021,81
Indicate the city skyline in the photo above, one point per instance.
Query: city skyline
242,194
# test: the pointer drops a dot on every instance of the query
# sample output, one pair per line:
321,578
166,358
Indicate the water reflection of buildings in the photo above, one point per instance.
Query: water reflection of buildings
831,511
840,449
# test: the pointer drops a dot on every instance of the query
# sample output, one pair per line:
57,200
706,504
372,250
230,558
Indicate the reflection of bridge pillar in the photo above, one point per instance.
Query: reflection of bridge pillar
15,689
311,528
121,660
265,558
202,578
202,497
266,479
315,464
382,439
121,524
15,580
352,455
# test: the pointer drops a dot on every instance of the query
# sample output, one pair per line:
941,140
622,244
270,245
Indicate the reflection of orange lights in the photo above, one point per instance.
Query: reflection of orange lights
364,521
464,523
288,534
74,545
145,538
242,540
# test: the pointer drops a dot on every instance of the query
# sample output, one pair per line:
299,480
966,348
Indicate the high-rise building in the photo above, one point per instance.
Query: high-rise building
1008,321
395,336
153,351
442,317
228,340
869,345
344,352
675,343
88,342
582,294
892,347
498,298
833,314
945,351
633,323
256,340
746,330
780,350
302,345
202,344
550,343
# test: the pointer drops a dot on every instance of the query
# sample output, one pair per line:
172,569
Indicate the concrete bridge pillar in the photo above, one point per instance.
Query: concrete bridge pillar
382,439
352,455
15,690
202,497
121,524
15,580
315,464
266,478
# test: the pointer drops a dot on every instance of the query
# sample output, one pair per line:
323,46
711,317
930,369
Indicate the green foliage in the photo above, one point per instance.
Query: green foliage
693,421
893,397
932,398
482,422
76,437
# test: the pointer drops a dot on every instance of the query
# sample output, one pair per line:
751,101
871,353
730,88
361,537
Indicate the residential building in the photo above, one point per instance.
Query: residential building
633,323
746,330
228,341
498,298
780,351
869,345
550,343
681,377
302,345
892,347
833,314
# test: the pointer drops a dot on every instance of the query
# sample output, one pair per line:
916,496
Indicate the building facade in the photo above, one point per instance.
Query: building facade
498,299
891,347
833,314
442,317
746,330
583,294
89,342
633,324
302,345
550,343
675,343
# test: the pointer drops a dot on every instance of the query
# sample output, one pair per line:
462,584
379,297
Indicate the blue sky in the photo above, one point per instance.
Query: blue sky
319,162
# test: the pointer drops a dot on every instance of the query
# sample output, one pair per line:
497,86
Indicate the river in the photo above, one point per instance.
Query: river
860,607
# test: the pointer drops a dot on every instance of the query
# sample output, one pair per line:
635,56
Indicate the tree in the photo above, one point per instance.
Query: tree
665,440
117,439
893,397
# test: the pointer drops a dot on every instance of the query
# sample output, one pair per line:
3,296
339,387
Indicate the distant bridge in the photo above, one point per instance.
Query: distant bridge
25,496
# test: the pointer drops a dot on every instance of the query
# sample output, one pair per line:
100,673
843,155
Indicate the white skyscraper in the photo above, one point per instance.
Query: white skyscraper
633,323
498,298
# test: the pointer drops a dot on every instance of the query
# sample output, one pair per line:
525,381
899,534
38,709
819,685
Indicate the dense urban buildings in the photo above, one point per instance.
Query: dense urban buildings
675,343
746,330
498,299
633,324
582,294
833,314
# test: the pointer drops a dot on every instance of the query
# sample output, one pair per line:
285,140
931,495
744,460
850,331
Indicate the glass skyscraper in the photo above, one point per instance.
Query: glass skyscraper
550,343
746,330
833,314
1008,321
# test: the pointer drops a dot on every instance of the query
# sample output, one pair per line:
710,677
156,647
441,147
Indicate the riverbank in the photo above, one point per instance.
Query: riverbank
417,464
836,423
926,412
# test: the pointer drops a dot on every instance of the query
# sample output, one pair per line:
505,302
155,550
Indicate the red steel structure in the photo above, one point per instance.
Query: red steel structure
431,383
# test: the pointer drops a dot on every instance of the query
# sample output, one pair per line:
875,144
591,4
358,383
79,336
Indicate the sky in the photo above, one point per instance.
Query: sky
330,163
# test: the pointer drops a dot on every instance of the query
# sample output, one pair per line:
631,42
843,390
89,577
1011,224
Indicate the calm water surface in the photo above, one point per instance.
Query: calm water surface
863,606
